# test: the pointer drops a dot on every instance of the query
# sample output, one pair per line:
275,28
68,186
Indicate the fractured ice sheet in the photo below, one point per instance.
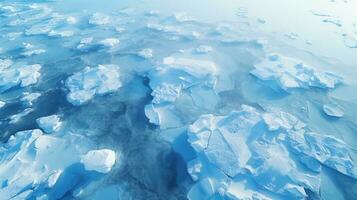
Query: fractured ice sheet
272,149
288,74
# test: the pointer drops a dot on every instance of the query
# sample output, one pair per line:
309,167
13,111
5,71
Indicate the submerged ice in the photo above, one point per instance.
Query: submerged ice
143,104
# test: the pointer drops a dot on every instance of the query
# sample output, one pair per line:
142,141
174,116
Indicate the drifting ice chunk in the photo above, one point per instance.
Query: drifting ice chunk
204,49
99,19
61,33
333,110
84,42
350,41
2,104
29,98
198,68
109,42
334,21
71,20
15,118
49,124
183,17
146,53
84,85
99,160
24,76
5,64
289,74
29,74
33,52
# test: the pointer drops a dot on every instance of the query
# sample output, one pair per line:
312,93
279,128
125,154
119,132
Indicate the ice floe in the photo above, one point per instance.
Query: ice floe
49,124
13,75
333,110
204,49
2,104
99,19
109,42
288,74
84,85
29,98
146,53
99,160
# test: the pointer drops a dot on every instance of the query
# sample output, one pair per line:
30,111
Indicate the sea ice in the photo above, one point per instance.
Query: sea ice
146,53
29,98
18,75
2,104
61,33
289,74
49,124
261,147
99,160
204,49
99,19
333,110
350,41
110,42
84,85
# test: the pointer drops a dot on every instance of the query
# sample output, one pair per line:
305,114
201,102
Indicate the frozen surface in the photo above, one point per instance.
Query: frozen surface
178,100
